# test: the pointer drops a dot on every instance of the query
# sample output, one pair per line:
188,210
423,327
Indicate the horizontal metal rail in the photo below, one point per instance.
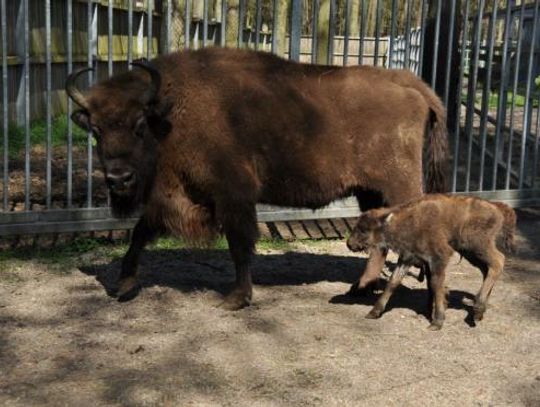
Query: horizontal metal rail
100,219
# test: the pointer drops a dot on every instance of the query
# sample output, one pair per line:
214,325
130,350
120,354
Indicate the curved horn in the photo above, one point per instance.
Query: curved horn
72,90
153,90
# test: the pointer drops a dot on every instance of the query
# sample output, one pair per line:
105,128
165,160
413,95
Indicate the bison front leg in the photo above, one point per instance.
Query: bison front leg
128,285
240,226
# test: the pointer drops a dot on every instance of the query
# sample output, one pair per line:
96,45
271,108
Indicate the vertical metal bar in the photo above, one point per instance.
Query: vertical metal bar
296,30
223,26
486,94
392,34
187,23
274,26
377,32
168,27
27,145
536,142
130,34
150,34
526,118
406,57
258,22
501,106
436,46
331,32
450,46
458,90
48,69
314,24
196,35
5,112
241,19
362,33
423,36
110,38
514,92
348,6
471,91
69,42
205,23
89,163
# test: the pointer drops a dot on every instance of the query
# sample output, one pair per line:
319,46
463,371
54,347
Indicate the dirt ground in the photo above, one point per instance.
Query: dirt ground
304,342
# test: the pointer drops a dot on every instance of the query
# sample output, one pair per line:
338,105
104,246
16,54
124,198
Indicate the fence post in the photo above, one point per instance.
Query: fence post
323,31
430,52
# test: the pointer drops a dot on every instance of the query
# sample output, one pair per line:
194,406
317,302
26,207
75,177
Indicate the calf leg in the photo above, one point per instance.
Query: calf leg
128,286
394,282
369,199
494,261
240,226
438,291
374,266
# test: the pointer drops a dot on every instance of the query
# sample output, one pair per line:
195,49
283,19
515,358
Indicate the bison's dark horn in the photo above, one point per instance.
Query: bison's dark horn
152,92
72,90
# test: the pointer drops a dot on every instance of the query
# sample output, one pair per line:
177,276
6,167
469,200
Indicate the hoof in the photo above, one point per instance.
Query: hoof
370,288
479,312
435,326
374,313
236,300
128,288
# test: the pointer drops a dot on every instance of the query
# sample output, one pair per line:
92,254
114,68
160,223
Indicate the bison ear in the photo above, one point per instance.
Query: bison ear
81,118
159,127
156,118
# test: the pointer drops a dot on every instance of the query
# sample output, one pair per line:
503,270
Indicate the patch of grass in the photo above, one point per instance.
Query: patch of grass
63,255
38,134
273,244
494,99
70,254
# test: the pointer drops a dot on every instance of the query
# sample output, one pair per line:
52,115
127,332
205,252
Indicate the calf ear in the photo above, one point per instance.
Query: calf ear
82,119
386,218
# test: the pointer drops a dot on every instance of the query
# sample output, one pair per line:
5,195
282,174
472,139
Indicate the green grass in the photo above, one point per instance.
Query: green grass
38,135
83,251
494,100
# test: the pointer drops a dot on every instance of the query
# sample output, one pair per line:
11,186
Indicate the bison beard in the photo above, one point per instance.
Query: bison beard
235,128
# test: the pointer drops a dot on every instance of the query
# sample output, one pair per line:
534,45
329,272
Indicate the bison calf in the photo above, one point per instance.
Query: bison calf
426,232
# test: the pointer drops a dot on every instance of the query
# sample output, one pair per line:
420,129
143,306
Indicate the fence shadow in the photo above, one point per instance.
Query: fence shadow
188,270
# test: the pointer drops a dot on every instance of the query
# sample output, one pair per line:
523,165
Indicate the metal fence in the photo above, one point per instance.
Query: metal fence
481,56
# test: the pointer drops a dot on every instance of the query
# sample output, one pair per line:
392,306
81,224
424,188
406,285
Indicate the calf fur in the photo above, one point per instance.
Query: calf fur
427,231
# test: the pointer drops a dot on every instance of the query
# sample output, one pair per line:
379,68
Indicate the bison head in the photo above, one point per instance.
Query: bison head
368,232
127,119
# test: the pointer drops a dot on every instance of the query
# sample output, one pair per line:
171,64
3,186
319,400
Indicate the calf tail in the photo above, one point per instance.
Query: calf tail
437,149
505,240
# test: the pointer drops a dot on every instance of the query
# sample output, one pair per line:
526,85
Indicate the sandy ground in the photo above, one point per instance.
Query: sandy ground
64,341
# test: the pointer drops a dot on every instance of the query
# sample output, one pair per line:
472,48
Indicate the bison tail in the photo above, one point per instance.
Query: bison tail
505,240
437,151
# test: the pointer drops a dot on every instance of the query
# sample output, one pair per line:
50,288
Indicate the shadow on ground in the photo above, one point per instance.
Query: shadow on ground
190,270
194,269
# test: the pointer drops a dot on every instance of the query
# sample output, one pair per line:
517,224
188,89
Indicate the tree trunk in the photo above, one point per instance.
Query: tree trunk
323,28
232,23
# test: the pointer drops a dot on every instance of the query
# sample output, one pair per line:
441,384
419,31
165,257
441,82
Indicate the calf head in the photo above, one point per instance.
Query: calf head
127,121
368,231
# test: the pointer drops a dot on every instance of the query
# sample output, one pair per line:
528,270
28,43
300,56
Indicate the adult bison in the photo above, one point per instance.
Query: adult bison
197,138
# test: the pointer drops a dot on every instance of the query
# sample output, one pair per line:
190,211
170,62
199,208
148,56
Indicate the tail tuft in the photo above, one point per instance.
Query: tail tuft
437,152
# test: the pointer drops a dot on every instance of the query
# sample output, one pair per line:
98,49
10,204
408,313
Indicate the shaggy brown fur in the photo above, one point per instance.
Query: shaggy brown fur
428,230
232,128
